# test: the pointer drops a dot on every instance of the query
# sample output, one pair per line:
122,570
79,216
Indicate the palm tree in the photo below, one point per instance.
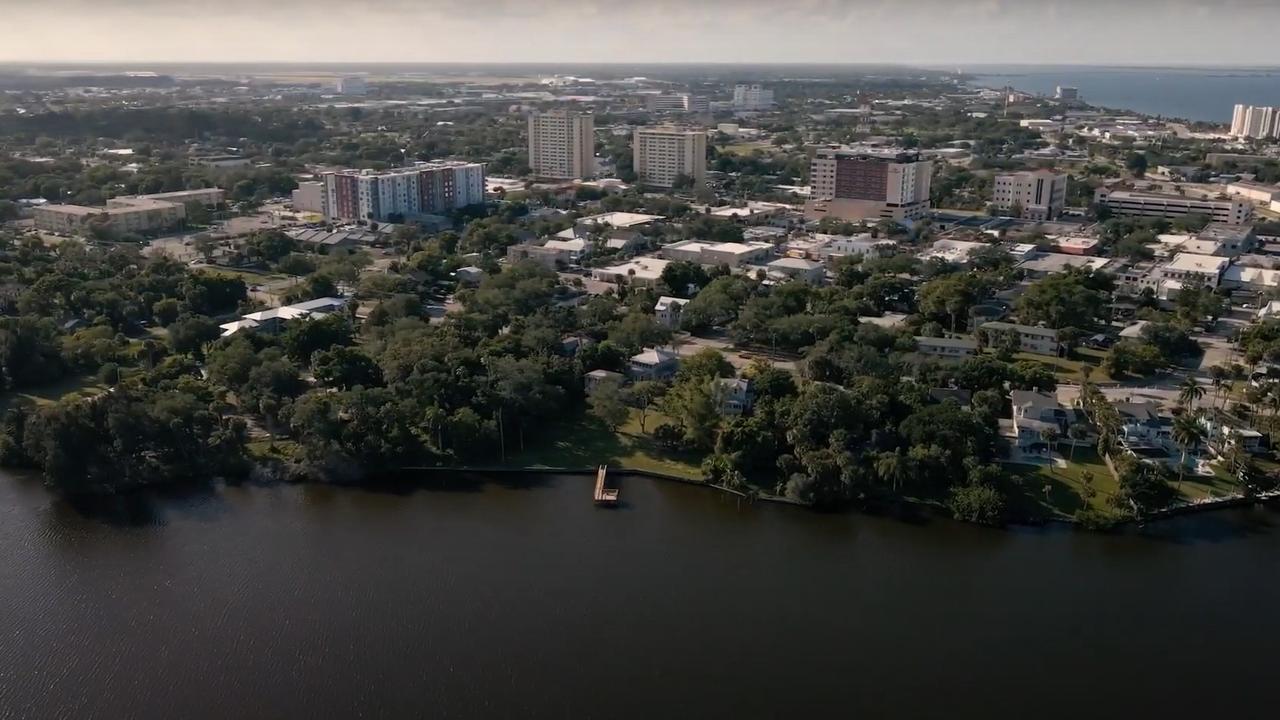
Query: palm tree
892,468
1190,392
1050,436
1187,434
1218,377
1076,432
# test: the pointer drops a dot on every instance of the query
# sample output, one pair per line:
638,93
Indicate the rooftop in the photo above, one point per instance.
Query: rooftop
619,219
1191,262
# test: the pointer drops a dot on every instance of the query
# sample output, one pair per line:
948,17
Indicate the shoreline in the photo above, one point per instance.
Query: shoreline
1217,504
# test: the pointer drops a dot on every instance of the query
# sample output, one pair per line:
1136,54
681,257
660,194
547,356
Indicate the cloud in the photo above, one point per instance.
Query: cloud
881,31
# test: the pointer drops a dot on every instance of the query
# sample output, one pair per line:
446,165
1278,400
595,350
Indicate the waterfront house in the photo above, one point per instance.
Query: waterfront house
1036,412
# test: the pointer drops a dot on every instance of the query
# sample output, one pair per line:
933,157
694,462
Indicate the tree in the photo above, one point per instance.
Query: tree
1076,432
166,311
606,404
981,504
345,368
1136,163
190,334
1050,437
706,364
1187,434
304,337
893,468
1190,392
644,395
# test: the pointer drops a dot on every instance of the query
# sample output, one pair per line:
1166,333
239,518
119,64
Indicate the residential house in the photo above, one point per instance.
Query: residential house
469,275
667,311
954,348
1031,338
596,378
272,320
653,364
1034,414
735,395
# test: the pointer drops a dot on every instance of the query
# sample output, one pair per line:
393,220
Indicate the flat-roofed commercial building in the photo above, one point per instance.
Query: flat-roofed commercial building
134,214
562,145
1131,203
664,154
857,184
1038,195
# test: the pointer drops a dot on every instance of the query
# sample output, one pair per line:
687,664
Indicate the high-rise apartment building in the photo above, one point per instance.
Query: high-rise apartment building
864,184
1066,92
426,188
1038,195
1254,121
752,97
664,153
562,145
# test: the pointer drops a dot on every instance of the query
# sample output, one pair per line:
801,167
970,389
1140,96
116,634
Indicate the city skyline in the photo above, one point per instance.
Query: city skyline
922,32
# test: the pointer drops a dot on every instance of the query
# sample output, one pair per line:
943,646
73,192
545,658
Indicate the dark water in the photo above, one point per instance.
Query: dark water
501,602
1205,94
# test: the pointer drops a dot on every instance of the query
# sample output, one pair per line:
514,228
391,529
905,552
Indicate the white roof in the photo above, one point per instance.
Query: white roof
645,268
298,310
1252,276
952,250
795,264
577,245
232,328
665,302
1191,262
619,219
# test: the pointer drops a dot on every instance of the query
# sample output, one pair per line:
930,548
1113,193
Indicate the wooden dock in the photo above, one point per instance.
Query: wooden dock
604,496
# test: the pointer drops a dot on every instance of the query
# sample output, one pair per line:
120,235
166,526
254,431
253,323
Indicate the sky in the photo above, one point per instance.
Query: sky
950,33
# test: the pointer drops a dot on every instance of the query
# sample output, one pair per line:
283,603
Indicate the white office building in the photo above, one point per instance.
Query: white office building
562,145
752,97
1038,195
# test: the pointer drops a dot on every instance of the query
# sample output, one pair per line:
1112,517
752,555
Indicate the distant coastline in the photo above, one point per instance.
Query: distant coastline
1203,94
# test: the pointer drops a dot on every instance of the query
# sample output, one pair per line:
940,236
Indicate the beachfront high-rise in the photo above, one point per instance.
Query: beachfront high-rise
562,145
1255,121
426,188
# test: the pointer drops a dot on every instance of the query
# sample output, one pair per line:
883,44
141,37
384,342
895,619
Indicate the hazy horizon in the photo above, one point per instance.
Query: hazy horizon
1228,33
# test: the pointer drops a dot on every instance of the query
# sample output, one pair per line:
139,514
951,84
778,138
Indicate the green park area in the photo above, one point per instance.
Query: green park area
584,441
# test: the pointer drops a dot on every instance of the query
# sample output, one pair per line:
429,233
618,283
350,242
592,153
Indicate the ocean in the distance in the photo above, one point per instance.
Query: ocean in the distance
1204,94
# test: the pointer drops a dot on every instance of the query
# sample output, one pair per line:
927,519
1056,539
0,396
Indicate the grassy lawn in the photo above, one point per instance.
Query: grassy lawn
251,278
279,449
585,442
1065,485
1196,487
68,387
1068,369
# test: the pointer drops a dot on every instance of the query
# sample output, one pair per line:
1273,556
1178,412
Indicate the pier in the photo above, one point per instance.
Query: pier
607,497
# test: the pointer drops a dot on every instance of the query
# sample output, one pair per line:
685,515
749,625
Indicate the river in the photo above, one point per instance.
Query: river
499,601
